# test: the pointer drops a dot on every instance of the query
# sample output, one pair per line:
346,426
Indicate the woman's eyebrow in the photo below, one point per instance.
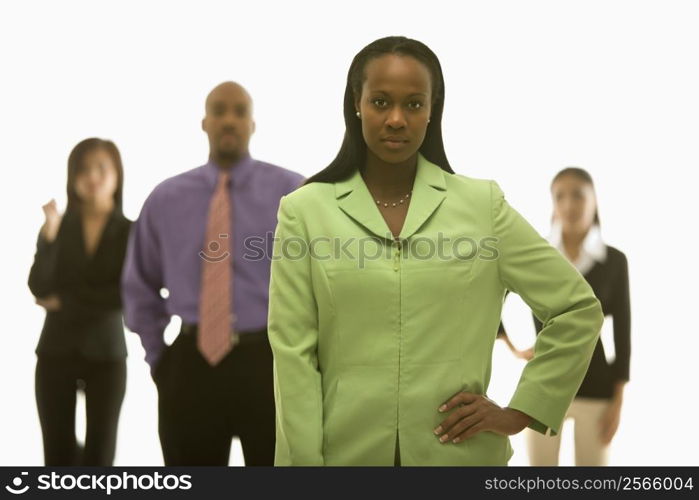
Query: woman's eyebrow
379,91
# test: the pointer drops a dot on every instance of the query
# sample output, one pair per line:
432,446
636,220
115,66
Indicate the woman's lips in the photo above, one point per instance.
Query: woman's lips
395,143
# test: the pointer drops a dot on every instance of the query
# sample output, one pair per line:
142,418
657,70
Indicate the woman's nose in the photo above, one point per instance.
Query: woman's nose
95,177
396,118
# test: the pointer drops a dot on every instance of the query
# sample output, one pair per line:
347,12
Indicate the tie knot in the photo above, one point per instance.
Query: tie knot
224,178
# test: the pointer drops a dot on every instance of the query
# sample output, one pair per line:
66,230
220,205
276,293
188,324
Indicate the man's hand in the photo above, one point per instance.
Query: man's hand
51,303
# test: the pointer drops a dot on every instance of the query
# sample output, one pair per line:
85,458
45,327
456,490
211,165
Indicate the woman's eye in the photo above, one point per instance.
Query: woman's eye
415,105
380,103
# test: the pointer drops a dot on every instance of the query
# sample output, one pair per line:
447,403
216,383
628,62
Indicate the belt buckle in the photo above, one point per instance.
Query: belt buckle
235,338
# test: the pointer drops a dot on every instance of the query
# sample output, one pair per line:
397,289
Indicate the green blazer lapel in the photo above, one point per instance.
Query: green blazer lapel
354,198
429,190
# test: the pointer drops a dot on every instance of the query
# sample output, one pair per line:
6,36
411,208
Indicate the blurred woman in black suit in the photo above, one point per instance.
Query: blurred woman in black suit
75,278
596,409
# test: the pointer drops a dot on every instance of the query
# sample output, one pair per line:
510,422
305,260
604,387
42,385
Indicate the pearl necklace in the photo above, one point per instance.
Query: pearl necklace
394,204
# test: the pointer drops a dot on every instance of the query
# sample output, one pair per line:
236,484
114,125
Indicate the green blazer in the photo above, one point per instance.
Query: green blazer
370,336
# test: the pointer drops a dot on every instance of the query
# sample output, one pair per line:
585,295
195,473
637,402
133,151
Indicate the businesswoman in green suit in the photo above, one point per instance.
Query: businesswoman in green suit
387,283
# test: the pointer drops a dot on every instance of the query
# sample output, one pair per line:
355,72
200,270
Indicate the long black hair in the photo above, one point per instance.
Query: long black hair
352,154
582,175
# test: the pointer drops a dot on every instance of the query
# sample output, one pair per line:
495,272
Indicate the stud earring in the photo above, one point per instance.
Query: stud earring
359,115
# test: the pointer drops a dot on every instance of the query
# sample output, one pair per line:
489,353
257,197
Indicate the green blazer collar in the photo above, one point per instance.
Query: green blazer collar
429,190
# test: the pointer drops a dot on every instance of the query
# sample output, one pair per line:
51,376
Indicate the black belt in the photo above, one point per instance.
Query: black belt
237,337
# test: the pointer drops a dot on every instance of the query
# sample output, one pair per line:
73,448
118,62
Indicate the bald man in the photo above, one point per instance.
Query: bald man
205,236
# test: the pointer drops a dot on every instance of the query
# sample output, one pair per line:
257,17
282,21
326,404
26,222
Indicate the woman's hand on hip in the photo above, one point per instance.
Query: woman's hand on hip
473,413
526,354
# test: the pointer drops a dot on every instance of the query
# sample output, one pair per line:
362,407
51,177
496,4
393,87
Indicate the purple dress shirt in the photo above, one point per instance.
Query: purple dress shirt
166,240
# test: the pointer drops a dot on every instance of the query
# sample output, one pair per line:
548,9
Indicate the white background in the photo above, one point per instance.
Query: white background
531,87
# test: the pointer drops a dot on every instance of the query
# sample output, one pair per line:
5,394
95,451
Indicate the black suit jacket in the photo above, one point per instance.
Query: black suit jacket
90,319
610,282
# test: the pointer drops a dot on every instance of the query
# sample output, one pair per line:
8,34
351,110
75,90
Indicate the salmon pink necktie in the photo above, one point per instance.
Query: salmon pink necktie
215,316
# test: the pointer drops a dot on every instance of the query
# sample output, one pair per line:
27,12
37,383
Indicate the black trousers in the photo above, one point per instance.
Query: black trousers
56,383
201,408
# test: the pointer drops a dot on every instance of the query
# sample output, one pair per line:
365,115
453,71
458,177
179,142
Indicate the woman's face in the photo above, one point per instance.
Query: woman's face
395,105
97,178
574,204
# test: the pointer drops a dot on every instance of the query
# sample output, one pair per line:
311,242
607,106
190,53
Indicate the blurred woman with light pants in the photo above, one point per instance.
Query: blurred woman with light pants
596,409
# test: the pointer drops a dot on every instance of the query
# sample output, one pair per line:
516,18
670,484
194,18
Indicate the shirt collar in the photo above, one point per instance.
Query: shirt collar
240,171
593,247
